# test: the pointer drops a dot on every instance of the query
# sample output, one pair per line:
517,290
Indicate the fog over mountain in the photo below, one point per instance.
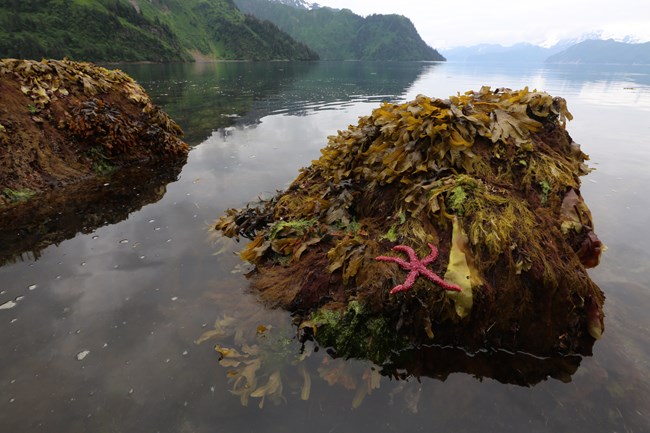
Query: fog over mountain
504,22
586,48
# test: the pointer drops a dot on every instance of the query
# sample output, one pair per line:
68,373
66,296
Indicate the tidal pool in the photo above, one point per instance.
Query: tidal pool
112,304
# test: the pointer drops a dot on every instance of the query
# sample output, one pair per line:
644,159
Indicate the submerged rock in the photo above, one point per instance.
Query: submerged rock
63,121
480,191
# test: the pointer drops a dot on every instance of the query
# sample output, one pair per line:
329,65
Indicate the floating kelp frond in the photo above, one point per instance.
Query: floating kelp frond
484,177
264,366
259,369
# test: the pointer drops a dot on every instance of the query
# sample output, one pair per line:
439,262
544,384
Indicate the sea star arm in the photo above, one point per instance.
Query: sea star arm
431,257
417,267
408,283
409,251
439,281
402,263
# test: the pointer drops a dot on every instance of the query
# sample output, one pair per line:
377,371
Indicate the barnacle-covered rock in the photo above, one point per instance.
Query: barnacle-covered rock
62,121
490,178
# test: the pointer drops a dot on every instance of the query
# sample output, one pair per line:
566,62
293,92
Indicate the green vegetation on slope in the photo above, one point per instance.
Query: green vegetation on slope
142,30
392,37
216,28
87,30
342,35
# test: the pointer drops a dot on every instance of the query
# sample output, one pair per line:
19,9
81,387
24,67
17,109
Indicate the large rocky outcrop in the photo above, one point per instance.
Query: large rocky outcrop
453,222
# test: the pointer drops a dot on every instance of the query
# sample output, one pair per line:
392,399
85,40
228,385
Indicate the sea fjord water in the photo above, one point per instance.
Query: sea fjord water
103,310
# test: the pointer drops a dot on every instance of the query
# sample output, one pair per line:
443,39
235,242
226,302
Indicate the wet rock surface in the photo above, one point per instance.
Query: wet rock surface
63,121
489,179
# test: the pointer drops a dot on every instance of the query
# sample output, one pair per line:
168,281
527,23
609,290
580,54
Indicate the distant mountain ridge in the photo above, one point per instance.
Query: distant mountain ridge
137,30
609,51
518,53
339,34
567,51
300,4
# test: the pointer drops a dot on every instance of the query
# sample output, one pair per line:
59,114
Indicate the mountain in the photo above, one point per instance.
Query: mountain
518,53
301,4
599,51
339,34
586,48
141,30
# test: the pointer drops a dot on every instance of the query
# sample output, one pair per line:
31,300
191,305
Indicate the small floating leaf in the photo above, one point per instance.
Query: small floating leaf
220,330
7,305
305,389
272,389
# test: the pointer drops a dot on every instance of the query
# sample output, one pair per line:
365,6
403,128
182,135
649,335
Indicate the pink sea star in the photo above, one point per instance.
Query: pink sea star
417,267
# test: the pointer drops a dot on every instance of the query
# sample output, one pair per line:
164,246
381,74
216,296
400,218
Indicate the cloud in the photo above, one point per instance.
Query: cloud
450,24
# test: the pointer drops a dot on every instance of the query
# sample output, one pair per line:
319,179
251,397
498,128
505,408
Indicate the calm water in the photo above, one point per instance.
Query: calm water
101,305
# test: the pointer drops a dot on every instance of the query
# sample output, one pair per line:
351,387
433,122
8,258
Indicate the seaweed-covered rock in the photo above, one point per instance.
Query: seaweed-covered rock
62,121
479,198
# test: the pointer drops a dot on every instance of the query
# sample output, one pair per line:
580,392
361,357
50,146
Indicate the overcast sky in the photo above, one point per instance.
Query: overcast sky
470,22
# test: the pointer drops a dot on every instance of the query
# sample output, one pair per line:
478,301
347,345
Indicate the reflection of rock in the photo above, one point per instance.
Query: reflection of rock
491,178
263,362
62,121
55,216
516,368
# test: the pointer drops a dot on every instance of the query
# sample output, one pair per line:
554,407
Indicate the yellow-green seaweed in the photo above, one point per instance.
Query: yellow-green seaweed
491,177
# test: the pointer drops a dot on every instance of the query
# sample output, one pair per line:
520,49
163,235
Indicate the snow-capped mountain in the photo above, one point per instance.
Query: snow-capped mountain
603,35
300,4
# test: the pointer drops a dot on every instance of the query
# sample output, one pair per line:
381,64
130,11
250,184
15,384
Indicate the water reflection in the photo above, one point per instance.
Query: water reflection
253,353
624,86
138,307
52,217
205,97
514,368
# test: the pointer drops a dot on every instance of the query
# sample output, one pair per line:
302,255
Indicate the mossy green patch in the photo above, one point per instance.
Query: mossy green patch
457,198
100,162
357,333
297,227
391,234
546,189
17,195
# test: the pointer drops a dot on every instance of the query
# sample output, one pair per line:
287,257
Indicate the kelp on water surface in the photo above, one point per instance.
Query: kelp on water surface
479,198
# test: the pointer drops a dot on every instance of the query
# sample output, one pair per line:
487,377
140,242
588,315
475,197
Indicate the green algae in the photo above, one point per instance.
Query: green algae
17,195
356,333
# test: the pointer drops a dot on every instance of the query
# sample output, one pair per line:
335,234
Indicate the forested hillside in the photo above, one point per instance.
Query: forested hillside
140,30
342,35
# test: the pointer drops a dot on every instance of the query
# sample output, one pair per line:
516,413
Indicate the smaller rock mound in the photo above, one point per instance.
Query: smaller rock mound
62,121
